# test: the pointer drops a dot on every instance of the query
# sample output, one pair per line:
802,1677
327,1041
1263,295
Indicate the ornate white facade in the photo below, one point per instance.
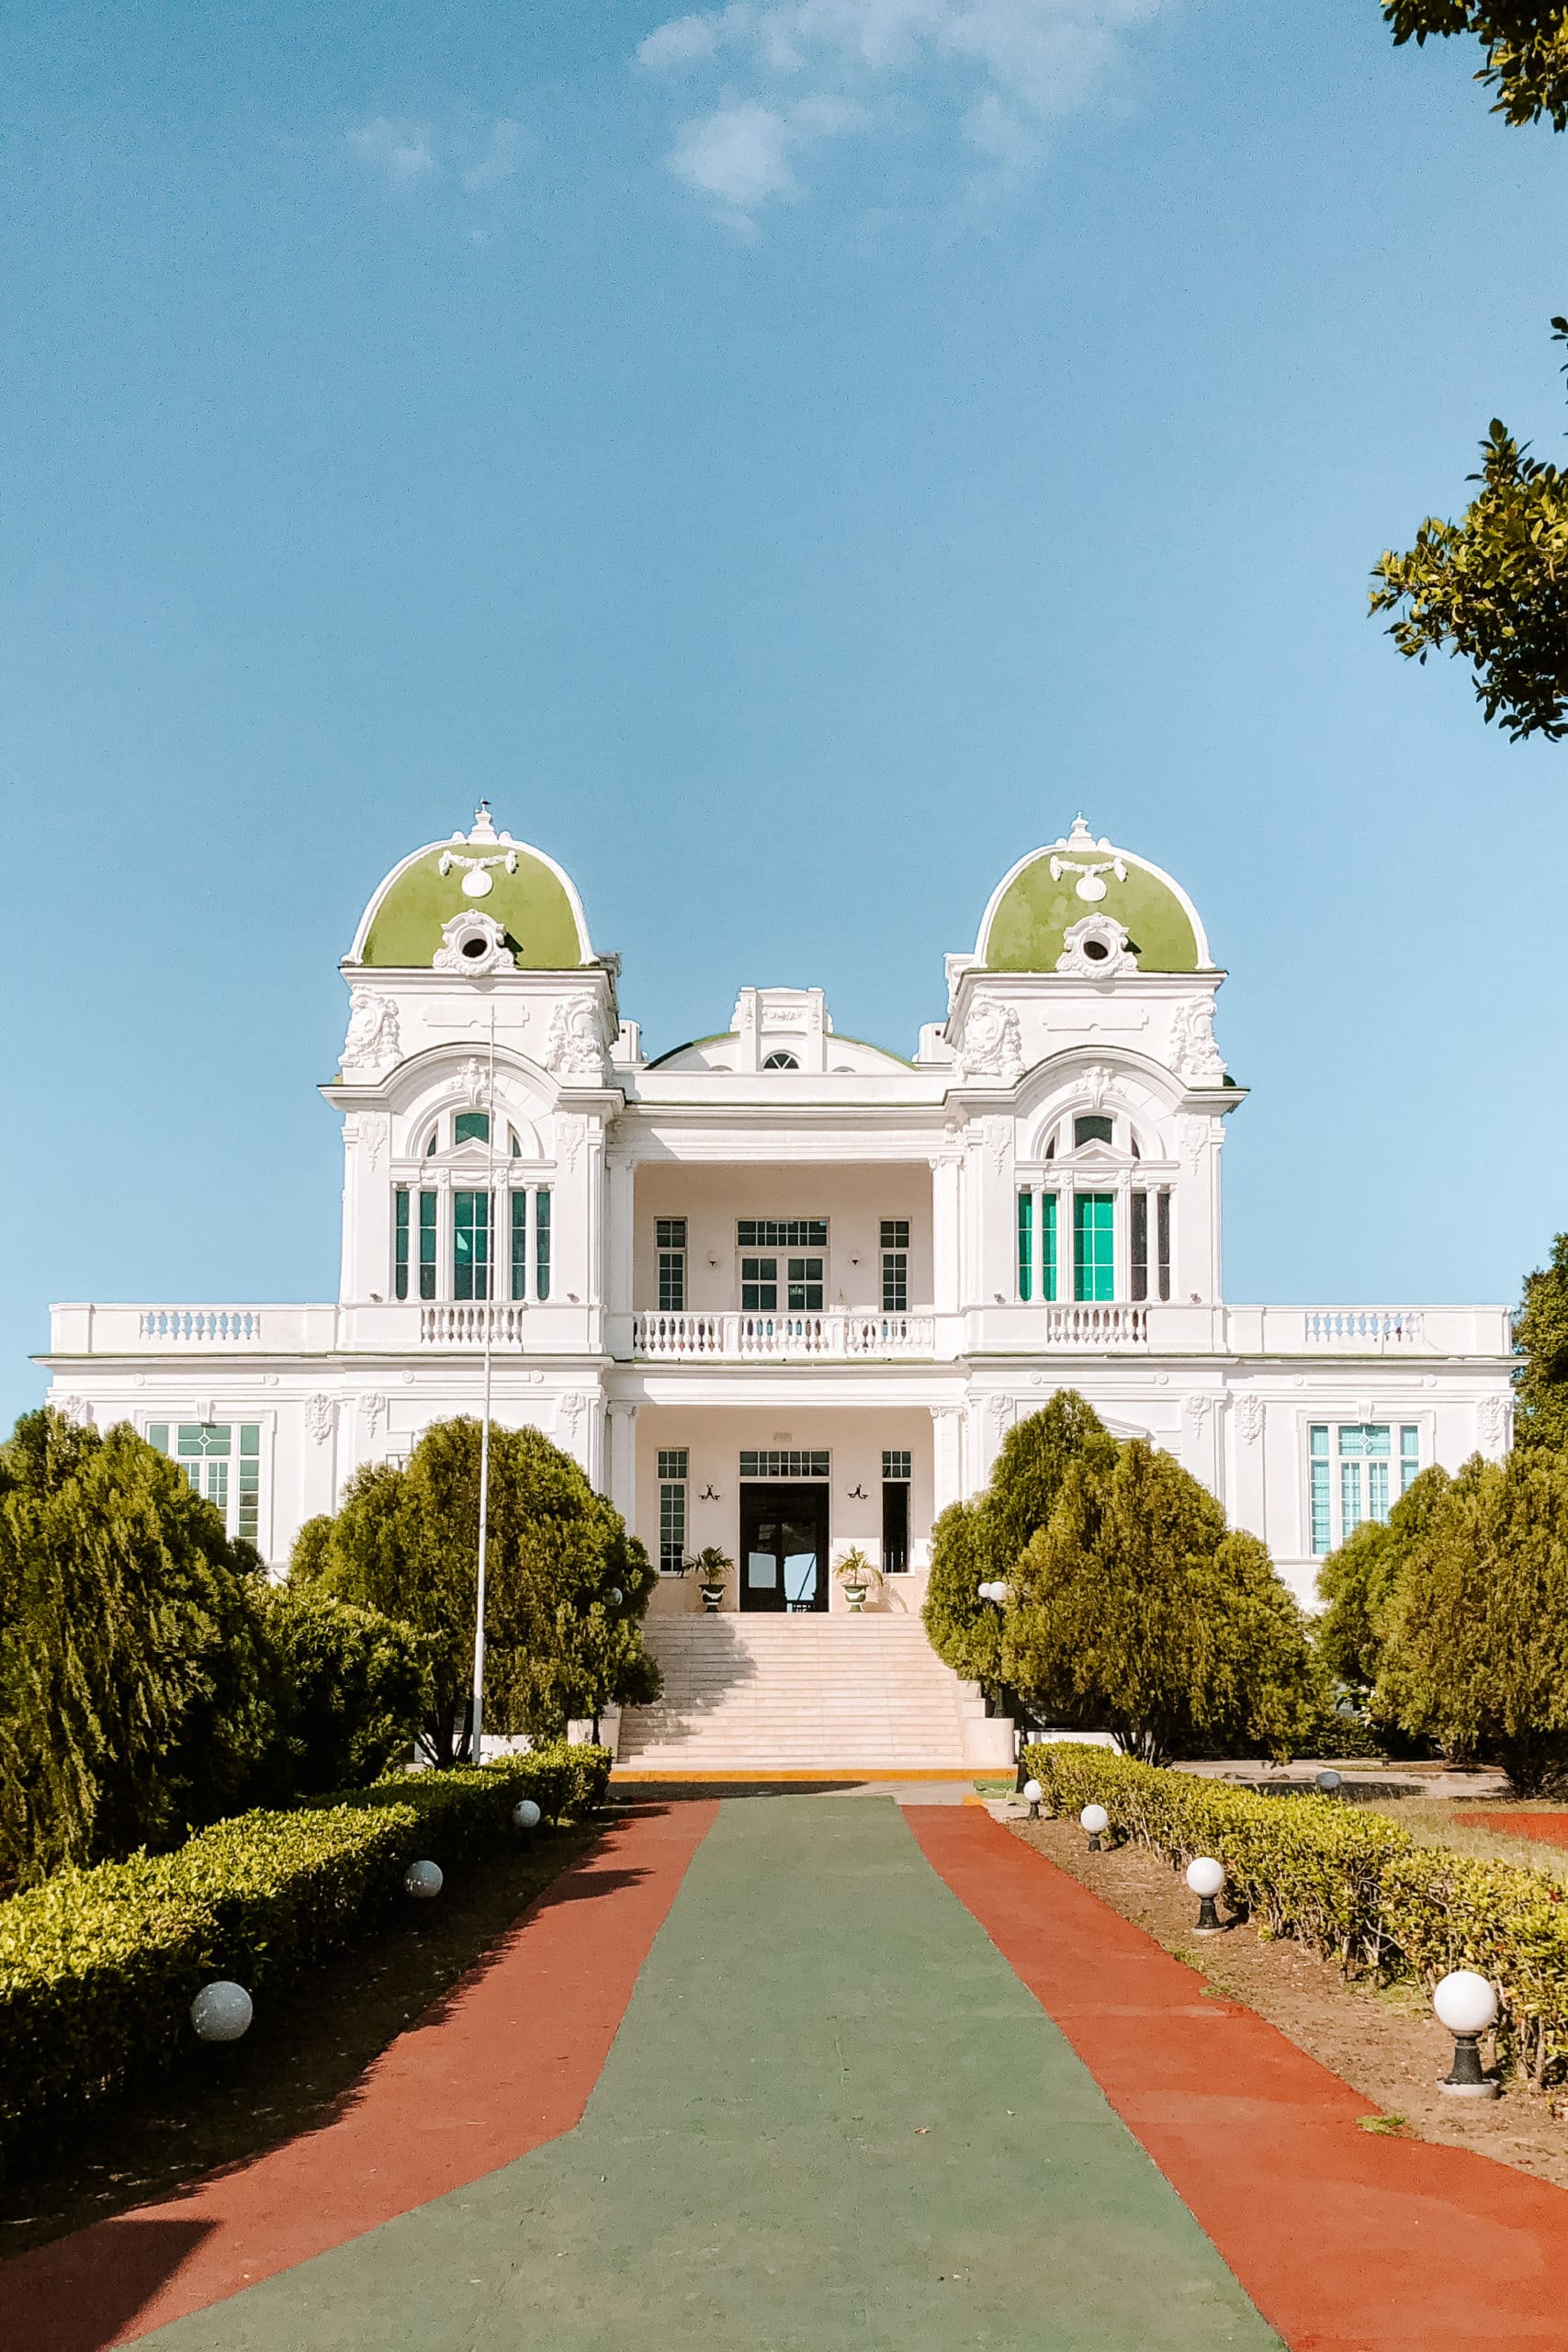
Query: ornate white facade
779,1260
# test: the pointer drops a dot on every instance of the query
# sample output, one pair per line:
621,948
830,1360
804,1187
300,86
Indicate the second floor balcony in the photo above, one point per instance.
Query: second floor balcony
836,1335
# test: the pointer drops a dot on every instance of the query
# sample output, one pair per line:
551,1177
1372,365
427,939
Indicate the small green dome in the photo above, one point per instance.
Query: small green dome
1024,928
486,873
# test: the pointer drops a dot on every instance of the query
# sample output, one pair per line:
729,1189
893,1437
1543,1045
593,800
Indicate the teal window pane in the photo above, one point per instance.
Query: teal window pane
541,1244
158,1435
250,1438
1377,1492
1376,1439
1048,1245
1319,1438
471,1126
427,1245
1321,1539
1409,1457
519,1245
248,1518
470,1245
400,1243
1351,1512
203,1437
1026,1245
1093,1127
1094,1246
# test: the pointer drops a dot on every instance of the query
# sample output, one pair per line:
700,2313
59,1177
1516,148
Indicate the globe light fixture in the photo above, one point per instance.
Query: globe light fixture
1328,1784
994,1591
526,1818
1205,1877
1032,1794
221,2011
1094,1819
615,1596
425,1881
1467,2004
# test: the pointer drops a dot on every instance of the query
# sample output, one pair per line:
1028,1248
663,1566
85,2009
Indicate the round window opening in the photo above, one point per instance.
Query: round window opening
1095,950
781,1061
476,947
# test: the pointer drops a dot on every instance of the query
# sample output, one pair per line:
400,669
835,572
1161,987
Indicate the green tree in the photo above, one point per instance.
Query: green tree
1135,1612
1526,44
1357,1584
1540,1334
557,1644
357,1689
976,1542
139,1694
1476,1649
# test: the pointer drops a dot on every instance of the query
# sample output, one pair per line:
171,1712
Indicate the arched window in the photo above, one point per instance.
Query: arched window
781,1061
471,1126
1093,1126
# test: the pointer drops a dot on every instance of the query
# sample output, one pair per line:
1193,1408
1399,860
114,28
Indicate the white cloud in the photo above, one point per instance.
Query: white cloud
1000,68
502,155
401,149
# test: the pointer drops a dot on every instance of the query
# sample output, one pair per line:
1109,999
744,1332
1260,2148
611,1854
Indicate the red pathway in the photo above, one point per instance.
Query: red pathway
506,2061
1346,2242
1546,1828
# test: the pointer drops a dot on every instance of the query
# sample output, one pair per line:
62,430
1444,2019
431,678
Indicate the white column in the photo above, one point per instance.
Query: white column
947,1239
623,1460
1122,1256
947,1469
1064,1193
621,1237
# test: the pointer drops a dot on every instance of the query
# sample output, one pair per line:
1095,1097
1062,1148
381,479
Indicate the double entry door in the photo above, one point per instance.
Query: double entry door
783,1548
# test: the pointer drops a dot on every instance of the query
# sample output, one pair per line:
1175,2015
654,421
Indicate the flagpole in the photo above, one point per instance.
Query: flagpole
476,1749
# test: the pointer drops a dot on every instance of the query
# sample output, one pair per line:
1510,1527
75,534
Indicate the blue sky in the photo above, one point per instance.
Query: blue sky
791,458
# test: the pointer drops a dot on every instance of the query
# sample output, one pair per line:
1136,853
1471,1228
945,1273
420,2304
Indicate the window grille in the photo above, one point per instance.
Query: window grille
895,1265
672,1461
784,1466
226,1475
1094,1245
781,1233
895,1464
1364,1452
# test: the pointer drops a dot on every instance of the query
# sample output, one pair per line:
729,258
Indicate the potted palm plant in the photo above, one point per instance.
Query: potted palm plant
858,1576
712,1568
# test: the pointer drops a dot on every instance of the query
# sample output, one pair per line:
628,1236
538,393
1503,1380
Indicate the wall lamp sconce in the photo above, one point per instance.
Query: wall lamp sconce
708,1495
857,1494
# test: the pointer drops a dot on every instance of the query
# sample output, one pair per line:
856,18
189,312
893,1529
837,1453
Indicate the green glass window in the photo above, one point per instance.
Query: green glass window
1048,1245
672,1507
1321,1538
471,1126
542,1244
158,1435
400,1243
759,1286
470,1245
1139,1246
1026,1245
1162,1238
519,1245
427,1245
202,1448
1093,1127
1094,1245
894,1241
1409,1457
248,1523
805,1286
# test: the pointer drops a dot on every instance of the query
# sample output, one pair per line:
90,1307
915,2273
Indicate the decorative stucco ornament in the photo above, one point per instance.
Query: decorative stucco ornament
1249,1419
1095,948
1198,1410
373,1044
74,1409
1192,1134
991,1046
1492,1419
319,1413
1002,1411
999,1134
570,1410
374,1409
374,1130
468,1086
1090,871
575,1047
475,944
1194,1057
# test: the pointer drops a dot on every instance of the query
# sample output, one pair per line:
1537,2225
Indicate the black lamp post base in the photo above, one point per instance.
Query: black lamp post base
1208,1917
1094,1845
1464,2078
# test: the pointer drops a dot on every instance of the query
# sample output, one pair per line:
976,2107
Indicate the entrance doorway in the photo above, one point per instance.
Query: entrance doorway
783,1548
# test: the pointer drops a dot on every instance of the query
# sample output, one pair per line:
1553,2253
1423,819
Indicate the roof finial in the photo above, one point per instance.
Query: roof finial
1080,837
484,831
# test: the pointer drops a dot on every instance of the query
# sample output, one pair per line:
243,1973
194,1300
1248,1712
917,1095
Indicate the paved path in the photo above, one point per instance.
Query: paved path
837,2114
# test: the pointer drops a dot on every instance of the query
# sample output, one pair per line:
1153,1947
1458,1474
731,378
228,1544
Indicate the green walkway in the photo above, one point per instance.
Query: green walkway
833,2117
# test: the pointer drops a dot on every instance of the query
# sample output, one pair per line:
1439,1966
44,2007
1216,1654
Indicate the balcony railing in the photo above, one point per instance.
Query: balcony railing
1106,1326
832,1337
205,1327
1363,1327
460,1323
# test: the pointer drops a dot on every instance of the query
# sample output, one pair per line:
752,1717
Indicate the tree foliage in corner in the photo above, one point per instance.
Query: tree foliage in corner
1476,1631
1526,44
1494,587
559,1643
978,1541
1136,1611
1540,1334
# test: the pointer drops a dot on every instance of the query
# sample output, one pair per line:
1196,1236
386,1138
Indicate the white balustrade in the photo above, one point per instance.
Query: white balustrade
1363,1327
461,1323
1096,1324
778,1337
204,1326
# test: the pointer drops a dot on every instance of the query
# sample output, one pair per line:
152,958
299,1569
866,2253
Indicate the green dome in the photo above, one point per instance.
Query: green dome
527,893
1025,926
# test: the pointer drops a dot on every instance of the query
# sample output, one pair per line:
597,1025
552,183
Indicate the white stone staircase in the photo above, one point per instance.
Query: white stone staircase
835,1692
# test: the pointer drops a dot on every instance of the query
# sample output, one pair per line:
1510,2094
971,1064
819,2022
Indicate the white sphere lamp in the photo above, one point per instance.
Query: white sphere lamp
221,2012
1094,1819
526,1817
1329,1784
1205,1877
997,1593
1467,2004
423,1881
1032,1792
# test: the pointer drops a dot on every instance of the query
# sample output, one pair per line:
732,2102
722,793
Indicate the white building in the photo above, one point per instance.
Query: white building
779,1290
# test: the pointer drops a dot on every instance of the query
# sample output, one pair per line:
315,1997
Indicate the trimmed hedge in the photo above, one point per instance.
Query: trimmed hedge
1351,1883
98,1967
